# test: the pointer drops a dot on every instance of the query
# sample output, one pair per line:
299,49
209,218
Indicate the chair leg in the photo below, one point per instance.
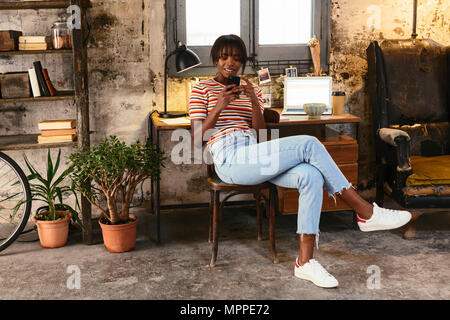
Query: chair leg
211,208
271,207
380,171
355,222
411,225
258,216
215,224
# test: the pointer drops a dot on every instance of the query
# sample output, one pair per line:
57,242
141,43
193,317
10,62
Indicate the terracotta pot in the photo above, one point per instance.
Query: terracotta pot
53,234
120,237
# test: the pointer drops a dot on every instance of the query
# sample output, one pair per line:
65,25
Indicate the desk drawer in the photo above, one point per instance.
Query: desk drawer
343,153
288,198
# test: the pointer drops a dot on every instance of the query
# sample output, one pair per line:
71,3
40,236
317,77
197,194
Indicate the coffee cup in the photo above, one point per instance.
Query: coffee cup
338,102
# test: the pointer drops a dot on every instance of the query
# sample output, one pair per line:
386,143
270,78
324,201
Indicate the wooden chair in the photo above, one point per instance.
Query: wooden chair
217,187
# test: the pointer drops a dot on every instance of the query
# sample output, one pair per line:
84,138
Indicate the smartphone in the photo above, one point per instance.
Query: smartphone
233,80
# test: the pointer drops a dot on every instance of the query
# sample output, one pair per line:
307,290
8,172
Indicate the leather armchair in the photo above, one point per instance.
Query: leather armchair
408,86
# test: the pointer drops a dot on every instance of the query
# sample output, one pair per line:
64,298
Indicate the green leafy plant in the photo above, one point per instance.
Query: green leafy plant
49,188
114,169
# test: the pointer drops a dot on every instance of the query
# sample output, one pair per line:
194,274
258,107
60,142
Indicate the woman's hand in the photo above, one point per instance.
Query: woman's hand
248,90
258,122
228,94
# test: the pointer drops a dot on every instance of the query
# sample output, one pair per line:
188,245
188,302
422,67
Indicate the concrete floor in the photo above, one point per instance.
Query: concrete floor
178,267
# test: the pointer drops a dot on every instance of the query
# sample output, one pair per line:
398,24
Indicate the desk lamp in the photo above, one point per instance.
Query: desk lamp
185,60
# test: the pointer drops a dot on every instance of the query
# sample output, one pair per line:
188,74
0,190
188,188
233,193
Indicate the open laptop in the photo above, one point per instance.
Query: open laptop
301,90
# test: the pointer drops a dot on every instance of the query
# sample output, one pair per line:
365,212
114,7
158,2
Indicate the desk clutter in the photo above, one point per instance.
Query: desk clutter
53,131
34,43
61,38
175,121
9,40
32,83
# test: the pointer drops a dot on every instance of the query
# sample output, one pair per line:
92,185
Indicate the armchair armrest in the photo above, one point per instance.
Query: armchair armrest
400,140
389,135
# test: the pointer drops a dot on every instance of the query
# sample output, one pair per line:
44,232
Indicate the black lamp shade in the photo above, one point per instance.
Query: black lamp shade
186,59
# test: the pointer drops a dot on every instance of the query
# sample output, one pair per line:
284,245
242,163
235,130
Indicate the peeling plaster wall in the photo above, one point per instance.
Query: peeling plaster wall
126,49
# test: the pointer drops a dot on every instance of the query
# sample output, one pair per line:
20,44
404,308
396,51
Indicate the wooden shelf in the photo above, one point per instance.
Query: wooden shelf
22,52
62,95
29,141
59,4
79,95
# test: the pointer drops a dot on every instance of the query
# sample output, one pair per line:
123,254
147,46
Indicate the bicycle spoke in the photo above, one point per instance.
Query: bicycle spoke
14,188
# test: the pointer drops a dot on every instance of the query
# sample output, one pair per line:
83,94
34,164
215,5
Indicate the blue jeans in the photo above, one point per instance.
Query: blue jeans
299,162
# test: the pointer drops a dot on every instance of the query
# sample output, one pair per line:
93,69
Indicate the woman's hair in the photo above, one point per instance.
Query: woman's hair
230,41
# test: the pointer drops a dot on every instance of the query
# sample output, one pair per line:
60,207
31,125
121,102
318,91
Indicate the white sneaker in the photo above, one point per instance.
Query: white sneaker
384,219
314,272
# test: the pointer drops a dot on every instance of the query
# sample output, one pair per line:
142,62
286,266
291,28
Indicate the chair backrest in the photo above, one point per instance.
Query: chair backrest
412,81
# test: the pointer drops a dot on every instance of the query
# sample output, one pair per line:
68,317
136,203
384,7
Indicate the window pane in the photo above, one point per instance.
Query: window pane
289,23
207,20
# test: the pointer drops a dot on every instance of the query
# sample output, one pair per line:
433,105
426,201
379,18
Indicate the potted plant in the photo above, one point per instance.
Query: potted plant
52,222
107,175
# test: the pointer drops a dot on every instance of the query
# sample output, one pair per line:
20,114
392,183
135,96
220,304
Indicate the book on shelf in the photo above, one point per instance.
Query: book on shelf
34,83
42,85
55,139
57,124
57,132
33,46
51,88
34,39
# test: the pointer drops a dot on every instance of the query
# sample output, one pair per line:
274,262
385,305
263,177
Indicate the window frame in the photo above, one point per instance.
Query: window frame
276,57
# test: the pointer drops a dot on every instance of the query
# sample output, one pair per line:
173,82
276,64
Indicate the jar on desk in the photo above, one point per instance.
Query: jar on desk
61,35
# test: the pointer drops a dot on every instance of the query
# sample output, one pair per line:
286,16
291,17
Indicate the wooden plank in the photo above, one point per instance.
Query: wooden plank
62,95
34,5
80,78
22,52
295,121
29,141
342,148
159,125
343,153
292,121
305,120
57,4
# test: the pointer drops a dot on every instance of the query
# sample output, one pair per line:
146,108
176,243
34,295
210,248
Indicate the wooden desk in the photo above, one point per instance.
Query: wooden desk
342,148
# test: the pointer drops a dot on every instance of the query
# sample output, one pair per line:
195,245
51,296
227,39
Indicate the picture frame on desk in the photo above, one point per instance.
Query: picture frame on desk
291,71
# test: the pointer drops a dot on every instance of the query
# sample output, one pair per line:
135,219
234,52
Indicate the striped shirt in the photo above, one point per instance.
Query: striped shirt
236,116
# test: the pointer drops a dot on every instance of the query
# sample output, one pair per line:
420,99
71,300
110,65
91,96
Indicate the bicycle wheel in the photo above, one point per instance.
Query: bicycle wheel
14,187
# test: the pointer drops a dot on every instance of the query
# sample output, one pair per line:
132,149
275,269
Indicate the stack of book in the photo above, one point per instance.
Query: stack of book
40,81
34,42
53,131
